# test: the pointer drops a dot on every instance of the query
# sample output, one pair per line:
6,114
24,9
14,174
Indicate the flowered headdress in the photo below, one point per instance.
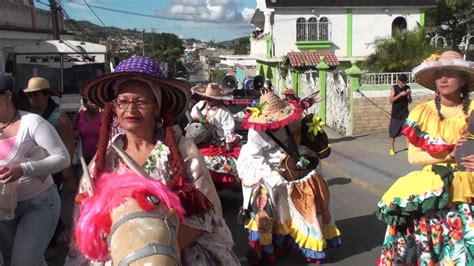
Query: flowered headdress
424,73
272,113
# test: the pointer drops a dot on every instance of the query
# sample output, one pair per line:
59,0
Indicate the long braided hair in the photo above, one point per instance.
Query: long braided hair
104,138
465,102
192,200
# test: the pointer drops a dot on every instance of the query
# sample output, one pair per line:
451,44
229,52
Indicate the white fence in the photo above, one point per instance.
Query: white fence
383,78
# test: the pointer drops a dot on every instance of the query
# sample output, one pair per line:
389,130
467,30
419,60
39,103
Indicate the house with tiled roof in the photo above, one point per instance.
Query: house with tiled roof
297,32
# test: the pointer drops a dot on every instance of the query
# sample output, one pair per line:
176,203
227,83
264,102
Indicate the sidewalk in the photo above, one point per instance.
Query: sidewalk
365,159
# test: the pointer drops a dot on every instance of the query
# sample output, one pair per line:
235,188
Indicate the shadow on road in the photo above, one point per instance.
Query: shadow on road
348,138
339,181
359,234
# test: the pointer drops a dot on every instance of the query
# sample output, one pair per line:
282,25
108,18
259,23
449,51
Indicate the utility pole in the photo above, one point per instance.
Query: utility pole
143,42
54,18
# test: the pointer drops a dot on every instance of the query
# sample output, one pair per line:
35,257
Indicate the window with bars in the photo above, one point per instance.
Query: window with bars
312,29
301,29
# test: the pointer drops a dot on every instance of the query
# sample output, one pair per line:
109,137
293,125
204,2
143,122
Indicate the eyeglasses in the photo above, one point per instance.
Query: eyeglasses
140,104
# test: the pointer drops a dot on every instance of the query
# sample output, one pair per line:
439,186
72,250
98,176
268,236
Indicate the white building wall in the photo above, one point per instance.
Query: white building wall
371,24
284,31
238,60
258,47
368,25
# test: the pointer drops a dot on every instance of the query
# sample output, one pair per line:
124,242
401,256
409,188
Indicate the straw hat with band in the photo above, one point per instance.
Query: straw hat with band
275,113
425,73
272,113
39,84
213,91
174,93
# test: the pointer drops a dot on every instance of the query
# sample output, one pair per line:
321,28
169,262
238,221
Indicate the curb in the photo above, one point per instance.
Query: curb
372,188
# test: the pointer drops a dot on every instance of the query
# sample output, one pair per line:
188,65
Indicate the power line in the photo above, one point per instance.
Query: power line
46,4
95,14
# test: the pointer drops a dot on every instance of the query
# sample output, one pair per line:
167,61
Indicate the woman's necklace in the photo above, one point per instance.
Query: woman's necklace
6,125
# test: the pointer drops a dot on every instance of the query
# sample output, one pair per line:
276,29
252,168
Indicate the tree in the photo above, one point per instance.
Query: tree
451,19
243,47
217,75
195,55
163,47
400,53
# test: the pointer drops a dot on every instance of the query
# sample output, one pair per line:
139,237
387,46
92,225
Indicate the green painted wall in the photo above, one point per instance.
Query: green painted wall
295,76
349,33
322,68
268,70
422,16
268,39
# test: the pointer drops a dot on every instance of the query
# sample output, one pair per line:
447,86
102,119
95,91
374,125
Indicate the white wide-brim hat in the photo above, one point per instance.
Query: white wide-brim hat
425,73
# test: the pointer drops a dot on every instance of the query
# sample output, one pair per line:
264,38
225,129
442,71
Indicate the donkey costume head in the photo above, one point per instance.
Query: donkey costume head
134,220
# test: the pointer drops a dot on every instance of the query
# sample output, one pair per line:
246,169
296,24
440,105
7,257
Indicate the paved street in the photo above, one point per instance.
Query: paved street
352,207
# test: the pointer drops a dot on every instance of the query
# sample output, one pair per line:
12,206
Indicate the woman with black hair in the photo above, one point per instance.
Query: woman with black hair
30,151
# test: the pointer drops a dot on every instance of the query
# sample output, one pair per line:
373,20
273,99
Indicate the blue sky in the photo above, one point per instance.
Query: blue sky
216,20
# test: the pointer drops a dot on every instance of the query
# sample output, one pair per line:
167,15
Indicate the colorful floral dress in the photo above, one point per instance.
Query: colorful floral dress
283,215
214,246
430,212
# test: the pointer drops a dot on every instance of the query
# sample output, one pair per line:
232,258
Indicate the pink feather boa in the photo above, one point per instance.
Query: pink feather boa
111,190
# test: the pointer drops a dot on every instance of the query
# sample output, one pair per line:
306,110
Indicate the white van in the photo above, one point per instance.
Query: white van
65,64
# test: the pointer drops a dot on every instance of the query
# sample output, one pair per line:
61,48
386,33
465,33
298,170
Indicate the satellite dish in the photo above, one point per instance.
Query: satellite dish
229,83
258,82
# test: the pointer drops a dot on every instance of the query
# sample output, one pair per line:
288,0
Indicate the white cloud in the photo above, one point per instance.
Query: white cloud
247,13
221,11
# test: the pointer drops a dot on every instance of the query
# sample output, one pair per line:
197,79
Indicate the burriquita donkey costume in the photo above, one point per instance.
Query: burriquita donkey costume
286,199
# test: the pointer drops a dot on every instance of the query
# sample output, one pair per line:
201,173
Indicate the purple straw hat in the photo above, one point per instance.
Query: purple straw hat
175,93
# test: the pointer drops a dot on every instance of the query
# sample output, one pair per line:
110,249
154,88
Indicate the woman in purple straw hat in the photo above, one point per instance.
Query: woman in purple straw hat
146,107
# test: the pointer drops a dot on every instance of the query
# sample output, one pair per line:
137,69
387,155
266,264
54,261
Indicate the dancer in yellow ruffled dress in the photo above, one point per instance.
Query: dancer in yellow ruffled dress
430,212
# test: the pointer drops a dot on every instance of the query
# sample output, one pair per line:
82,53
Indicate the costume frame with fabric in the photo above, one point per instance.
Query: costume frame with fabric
429,213
213,131
286,199
145,165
